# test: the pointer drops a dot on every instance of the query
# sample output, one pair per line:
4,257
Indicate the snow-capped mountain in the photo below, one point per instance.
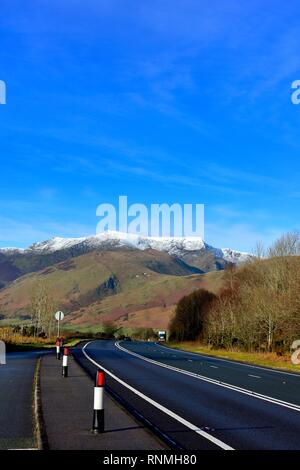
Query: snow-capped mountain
108,240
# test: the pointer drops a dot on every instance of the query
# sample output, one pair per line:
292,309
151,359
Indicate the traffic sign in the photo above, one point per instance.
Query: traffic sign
59,316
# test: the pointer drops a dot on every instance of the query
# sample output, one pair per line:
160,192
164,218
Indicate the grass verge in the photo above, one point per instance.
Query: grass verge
36,345
271,360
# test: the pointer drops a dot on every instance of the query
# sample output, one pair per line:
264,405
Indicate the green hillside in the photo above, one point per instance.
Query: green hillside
122,286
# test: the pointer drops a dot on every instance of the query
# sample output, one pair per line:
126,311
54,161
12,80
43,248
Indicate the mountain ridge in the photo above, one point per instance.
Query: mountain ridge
175,246
124,278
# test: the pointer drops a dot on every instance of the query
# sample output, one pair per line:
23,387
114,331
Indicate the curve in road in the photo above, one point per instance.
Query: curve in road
199,414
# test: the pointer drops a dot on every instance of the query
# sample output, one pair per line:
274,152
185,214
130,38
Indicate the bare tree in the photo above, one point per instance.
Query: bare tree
261,308
42,308
259,250
287,245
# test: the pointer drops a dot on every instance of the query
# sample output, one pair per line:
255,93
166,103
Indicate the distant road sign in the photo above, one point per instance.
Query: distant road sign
59,316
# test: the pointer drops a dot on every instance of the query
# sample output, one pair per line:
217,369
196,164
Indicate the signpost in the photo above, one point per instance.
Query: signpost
59,316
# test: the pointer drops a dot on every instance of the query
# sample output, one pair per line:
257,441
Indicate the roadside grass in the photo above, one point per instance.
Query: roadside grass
30,346
17,342
263,359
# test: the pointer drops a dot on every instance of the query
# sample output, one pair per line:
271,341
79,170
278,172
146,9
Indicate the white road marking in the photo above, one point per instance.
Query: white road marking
27,448
214,367
162,408
235,388
255,376
207,357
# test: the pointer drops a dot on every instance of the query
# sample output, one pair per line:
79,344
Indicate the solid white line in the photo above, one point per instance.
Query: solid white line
29,448
244,391
206,356
162,408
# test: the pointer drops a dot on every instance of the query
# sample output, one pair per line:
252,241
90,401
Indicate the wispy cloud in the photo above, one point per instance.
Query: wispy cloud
14,232
240,236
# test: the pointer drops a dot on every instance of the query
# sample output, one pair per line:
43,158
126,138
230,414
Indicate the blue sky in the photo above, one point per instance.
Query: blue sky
163,101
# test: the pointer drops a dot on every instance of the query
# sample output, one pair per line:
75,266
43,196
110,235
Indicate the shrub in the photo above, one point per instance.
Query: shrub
190,314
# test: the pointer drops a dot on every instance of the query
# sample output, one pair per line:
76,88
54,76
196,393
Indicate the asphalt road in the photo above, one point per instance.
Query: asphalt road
16,384
67,406
208,403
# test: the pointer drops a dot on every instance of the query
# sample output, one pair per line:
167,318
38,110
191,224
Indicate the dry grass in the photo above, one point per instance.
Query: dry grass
7,335
260,359
15,339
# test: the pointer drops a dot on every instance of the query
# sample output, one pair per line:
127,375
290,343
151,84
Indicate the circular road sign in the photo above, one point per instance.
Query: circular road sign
59,316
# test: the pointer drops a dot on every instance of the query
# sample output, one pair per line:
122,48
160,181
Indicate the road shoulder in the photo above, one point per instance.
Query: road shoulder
67,405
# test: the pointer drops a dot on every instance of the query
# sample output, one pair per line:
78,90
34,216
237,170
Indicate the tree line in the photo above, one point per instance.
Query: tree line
258,308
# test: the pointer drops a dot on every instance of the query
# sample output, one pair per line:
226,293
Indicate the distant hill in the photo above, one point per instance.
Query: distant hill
194,252
127,287
124,278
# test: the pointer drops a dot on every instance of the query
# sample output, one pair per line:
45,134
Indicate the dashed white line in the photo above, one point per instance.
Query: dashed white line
255,376
219,383
162,408
243,364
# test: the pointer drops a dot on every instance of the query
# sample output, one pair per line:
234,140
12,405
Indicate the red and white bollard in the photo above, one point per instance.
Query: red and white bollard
58,350
65,363
98,421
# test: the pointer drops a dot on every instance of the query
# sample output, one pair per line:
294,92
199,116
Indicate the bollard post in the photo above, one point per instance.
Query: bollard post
65,363
58,349
98,420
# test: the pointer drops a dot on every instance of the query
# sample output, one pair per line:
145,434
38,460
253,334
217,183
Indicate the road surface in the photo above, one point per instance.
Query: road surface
16,385
67,406
199,402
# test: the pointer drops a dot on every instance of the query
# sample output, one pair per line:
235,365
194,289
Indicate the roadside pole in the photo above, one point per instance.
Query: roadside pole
58,349
59,316
65,362
98,418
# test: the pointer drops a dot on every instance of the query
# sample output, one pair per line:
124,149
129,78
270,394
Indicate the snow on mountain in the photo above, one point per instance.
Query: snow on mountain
118,239
234,256
11,249
173,245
